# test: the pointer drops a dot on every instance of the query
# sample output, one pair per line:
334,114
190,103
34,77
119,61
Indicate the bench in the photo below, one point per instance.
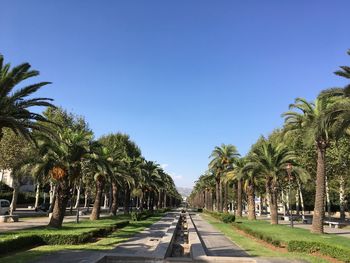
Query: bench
333,224
307,220
8,218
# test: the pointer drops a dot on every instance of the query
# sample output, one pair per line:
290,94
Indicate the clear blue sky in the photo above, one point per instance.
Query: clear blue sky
179,76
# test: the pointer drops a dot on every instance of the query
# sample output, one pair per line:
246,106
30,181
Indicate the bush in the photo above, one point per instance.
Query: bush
19,242
137,216
326,249
228,218
224,217
200,210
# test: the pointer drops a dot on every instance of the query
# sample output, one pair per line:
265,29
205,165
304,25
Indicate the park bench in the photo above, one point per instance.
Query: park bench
8,218
307,220
333,224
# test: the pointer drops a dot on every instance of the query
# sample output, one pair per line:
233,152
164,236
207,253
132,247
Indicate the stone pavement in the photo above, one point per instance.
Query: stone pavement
216,243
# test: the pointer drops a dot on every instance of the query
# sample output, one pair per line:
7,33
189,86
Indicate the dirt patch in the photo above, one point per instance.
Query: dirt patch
330,259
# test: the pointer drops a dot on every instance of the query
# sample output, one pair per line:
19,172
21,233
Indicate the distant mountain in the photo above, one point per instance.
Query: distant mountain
184,191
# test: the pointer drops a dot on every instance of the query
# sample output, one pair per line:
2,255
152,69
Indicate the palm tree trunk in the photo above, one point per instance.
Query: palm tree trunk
318,217
159,199
225,197
95,213
342,202
217,194
165,200
141,200
239,198
273,208
114,207
60,204
220,198
126,200
273,203
251,202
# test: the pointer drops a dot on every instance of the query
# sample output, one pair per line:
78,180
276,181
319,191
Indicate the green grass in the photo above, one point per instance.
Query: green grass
254,248
285,233
68,228
106,243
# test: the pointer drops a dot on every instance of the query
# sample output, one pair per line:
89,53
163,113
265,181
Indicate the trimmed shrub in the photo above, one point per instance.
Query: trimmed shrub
19,242
326,249
228,218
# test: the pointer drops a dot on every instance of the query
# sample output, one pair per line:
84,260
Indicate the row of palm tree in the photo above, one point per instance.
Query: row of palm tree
272,160
66,156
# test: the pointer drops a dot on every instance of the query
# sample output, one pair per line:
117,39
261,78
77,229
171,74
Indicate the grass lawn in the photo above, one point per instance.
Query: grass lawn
254,248
106,243
285,233
67,228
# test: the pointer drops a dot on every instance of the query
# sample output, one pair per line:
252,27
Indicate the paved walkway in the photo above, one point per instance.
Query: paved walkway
145,242
215,242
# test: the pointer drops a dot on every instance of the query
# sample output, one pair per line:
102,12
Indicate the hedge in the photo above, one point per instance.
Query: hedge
333,251
17,242
259,235
224,217
325,249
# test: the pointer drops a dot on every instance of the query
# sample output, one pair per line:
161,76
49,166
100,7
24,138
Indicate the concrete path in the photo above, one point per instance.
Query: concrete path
145,242
215,242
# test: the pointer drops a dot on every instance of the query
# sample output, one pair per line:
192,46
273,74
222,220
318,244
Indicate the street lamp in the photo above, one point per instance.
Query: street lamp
289,172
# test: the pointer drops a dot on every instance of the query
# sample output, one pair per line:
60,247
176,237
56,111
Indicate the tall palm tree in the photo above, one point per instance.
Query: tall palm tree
14,105
61,160
100,162
223,158
270,160
316,121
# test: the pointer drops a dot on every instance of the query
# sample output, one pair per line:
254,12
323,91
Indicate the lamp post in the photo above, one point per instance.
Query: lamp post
289,172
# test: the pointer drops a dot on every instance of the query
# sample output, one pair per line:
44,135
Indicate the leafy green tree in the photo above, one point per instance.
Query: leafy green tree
15,105
14,152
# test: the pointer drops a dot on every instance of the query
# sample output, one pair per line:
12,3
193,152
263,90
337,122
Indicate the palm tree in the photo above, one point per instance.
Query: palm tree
61,160
100,167
316,121
270,160
222,162
14,105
